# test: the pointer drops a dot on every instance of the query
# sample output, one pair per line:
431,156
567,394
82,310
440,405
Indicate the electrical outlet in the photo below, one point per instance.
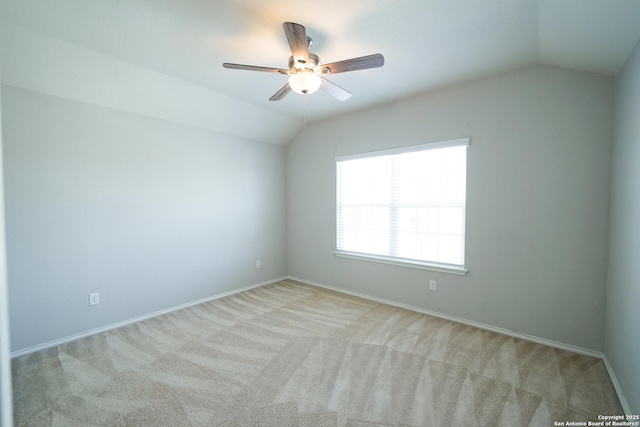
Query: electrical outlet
94,298
432,285
258,264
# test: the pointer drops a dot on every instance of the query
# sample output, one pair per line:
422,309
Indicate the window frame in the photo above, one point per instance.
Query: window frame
399,261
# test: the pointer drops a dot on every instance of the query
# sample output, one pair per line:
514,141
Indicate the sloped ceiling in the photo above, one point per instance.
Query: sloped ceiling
427,44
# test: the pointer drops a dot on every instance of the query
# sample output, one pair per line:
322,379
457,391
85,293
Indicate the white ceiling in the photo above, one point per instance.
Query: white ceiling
427,44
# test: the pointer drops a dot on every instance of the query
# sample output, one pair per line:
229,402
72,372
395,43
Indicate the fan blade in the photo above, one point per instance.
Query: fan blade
370,61
297,37
334,90
281,93
254,68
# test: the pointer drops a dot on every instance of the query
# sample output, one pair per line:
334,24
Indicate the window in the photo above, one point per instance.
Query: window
404,206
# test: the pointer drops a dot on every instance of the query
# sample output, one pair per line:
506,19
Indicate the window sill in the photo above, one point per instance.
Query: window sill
442,268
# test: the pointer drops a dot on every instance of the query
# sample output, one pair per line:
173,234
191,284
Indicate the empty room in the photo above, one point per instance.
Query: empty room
320,213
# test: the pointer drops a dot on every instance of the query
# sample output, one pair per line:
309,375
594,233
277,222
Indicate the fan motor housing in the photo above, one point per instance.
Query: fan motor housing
312,63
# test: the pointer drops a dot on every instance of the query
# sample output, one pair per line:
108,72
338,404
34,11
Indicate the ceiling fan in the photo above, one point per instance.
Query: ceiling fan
305,70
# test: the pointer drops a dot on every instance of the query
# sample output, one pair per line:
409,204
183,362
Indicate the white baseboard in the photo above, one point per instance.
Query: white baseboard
70,338
616,386
503,331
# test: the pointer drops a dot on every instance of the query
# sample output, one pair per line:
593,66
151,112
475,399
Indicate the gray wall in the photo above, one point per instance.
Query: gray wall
623,292
537,204
149,213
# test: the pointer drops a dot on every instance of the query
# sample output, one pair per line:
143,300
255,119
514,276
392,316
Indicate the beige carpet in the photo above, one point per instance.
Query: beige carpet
290,354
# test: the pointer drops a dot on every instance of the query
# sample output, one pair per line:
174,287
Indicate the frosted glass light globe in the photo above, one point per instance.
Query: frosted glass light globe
304,82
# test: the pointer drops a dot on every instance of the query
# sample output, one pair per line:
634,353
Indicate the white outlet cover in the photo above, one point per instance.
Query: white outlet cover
94,298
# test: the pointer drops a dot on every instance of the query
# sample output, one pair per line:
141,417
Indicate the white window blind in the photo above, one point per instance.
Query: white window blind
404,205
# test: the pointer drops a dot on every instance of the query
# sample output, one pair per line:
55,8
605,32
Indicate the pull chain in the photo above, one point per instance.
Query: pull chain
304,112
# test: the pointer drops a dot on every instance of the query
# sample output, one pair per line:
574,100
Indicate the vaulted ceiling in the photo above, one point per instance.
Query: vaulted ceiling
427,44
